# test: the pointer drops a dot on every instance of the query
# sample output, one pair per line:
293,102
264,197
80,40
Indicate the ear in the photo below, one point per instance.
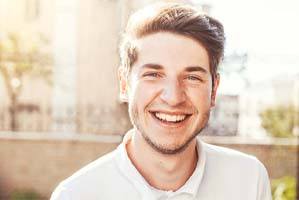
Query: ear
123,85
214,89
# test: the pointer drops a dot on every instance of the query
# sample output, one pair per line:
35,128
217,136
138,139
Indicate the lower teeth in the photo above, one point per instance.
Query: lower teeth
169,121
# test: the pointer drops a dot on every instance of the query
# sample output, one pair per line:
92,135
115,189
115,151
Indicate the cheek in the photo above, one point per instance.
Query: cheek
200,97
142,94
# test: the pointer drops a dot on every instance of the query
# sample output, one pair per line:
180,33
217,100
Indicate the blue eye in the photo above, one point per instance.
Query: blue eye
193,78
151,74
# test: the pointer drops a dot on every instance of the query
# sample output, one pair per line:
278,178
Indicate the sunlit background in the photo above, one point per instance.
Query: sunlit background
59,103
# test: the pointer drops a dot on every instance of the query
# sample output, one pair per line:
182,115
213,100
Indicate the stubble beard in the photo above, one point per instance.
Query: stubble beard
134,116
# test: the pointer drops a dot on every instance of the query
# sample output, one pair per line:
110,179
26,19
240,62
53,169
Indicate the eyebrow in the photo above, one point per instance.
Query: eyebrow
187,69
152,66
196,68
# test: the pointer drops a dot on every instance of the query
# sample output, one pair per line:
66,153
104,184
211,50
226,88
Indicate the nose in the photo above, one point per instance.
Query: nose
173,93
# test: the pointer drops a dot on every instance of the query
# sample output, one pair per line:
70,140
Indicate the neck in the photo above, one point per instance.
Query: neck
162,171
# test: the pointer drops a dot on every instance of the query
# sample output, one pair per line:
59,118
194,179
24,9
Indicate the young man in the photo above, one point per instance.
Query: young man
168,76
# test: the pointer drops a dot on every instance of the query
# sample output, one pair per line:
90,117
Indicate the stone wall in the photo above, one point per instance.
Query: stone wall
38,162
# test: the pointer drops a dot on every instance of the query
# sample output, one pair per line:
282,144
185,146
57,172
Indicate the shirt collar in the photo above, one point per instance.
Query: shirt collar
131,173
192,184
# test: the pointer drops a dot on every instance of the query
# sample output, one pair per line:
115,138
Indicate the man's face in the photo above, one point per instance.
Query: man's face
169,91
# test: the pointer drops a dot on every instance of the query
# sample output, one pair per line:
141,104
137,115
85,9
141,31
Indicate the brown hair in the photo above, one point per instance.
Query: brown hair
175,18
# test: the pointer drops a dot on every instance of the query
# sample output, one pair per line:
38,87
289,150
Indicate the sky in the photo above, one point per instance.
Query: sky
268,30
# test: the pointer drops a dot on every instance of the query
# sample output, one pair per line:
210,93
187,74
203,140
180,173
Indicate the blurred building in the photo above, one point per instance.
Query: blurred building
224,117
84,38
281,90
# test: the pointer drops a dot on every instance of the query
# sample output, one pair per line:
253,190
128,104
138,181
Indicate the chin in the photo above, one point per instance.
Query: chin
169,148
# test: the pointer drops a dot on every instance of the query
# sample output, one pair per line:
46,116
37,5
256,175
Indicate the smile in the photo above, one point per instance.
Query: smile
170,118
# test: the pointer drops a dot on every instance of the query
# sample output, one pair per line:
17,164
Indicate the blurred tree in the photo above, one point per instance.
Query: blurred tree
284,188
20,57
24,195
280,121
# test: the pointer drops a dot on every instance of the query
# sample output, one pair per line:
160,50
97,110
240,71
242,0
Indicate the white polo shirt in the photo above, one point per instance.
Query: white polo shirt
220,174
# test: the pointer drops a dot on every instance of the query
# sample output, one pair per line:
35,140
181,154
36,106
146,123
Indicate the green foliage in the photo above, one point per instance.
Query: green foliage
280,121
24,195
284,188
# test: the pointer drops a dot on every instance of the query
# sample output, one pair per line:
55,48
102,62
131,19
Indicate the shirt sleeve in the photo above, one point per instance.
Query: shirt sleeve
60,193
264,188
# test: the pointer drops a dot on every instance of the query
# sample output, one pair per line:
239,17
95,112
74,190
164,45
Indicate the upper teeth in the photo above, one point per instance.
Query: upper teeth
170,118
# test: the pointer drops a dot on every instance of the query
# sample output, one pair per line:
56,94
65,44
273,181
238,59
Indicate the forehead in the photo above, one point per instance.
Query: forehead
172,51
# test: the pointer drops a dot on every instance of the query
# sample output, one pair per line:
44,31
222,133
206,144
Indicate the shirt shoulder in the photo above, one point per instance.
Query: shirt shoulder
233,160
103,164
92,181
244,172
226,154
